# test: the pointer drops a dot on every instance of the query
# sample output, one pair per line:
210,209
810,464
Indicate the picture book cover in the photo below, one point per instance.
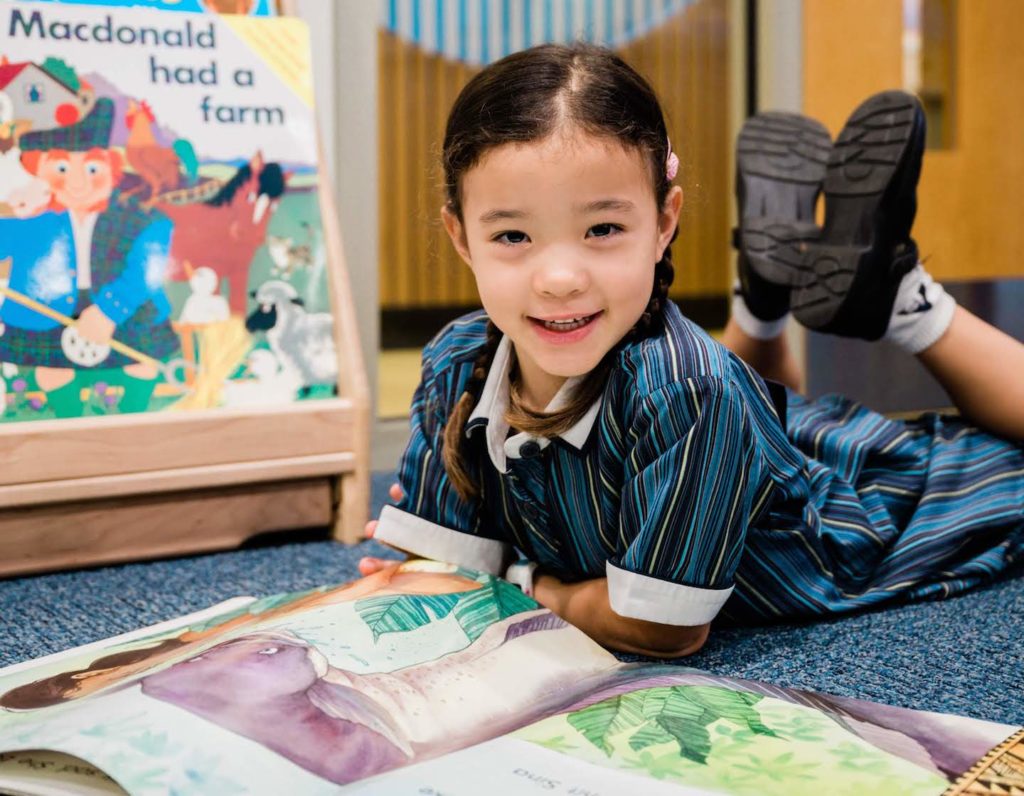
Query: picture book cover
161,245
431,679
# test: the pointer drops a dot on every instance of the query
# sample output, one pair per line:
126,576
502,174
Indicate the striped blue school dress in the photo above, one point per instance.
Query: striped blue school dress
685,489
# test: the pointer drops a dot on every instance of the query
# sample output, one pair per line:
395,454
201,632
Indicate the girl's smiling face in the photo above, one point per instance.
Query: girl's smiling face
562,235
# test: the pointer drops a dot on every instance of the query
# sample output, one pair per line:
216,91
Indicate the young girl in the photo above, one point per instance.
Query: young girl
653,477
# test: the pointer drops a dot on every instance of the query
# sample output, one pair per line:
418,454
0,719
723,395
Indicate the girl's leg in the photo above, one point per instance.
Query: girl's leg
780,165
982,369
772,358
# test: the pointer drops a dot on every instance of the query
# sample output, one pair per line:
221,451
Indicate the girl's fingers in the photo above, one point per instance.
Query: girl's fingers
371,566
371,529
396,492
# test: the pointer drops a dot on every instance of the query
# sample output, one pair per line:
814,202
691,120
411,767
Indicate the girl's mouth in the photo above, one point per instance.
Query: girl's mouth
566,325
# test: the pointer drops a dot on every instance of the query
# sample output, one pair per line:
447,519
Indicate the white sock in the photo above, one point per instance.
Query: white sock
921,313
750,323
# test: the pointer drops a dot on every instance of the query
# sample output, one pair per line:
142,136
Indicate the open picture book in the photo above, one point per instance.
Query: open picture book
433,679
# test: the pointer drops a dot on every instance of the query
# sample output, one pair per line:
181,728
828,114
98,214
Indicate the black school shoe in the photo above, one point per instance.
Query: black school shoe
780,164
845,283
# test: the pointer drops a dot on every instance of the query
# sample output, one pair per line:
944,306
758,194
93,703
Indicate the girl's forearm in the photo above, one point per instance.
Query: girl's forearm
586,605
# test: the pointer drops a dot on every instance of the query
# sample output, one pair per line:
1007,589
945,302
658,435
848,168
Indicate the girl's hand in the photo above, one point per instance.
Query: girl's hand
369,565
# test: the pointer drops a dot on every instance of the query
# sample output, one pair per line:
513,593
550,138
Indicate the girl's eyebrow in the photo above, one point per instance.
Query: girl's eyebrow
502,215
597,206
623,205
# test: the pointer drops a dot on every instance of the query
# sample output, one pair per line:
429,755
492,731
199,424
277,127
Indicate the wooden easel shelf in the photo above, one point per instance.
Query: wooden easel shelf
61,535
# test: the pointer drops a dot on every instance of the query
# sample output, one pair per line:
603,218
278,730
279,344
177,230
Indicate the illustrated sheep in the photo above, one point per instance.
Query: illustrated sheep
302,342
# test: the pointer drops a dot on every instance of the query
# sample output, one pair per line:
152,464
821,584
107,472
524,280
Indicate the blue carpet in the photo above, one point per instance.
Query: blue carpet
963,655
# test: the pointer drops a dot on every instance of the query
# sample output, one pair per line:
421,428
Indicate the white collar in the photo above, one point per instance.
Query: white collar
493,403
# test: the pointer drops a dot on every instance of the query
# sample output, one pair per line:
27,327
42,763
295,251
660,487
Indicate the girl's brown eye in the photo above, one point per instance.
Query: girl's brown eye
604,230
512,237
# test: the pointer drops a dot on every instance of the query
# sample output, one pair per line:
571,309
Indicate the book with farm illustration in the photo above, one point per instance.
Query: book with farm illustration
161,245
427,679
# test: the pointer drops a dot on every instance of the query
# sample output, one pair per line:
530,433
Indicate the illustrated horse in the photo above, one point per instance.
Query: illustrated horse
224,232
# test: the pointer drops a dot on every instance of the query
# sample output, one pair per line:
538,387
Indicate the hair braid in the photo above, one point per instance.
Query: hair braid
452,453
651,319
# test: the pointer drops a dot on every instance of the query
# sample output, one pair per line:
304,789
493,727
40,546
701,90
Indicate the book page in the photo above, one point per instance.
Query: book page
512,767
668,730
41,773
303,693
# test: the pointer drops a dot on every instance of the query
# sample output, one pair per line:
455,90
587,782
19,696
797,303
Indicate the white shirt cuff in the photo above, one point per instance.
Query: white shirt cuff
430,540
642,597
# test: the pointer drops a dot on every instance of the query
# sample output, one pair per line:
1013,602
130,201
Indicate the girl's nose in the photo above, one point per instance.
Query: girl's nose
561,277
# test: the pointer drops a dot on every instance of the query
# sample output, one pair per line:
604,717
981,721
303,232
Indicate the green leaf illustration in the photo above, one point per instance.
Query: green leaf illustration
598,722
673,713
475,610
494,601
779,769
679,705
652,734
692,736
661,767
654,701
737,706
399,613
557,744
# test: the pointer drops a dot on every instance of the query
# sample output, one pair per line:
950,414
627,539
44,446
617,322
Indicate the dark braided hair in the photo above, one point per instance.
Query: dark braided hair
526,97
451,454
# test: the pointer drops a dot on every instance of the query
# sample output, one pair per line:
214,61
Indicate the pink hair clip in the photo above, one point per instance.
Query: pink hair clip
671,163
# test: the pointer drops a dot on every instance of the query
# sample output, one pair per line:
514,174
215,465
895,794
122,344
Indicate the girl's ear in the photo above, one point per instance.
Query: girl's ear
457,233
668,218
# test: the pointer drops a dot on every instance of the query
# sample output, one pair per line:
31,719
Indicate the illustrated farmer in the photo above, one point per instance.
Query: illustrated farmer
85,271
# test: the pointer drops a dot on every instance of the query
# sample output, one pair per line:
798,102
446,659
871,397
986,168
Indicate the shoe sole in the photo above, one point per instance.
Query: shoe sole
844,282
781,162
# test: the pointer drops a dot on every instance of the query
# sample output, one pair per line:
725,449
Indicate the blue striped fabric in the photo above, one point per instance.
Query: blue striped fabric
482,31
688,477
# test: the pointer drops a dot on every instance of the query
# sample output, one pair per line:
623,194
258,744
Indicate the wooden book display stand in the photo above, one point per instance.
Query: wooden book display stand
213,243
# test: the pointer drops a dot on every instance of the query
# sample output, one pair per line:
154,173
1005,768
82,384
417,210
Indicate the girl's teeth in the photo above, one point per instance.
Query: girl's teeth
566,326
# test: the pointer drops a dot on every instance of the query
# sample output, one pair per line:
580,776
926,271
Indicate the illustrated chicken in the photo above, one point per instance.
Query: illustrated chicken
158,166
